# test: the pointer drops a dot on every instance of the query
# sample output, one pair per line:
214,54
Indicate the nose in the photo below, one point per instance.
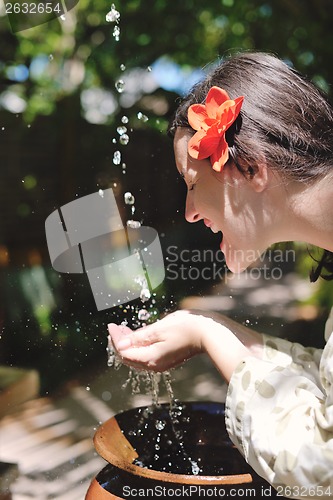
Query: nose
191,214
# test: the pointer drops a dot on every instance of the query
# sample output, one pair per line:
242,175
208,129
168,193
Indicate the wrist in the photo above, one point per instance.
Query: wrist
204,328
223,347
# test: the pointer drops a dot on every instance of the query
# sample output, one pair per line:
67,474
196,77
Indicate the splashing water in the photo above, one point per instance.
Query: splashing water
120,86
116,33
133,224
121,130
160,424
117,158
113,16
142,117
124,139
143,315
113,359
136,379
145,294
129,198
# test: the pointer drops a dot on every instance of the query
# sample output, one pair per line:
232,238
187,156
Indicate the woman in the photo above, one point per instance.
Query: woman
254,143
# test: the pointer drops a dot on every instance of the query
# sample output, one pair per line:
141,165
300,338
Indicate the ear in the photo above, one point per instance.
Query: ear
258,176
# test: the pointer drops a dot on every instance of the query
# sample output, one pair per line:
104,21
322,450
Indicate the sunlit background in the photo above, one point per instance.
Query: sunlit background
68,88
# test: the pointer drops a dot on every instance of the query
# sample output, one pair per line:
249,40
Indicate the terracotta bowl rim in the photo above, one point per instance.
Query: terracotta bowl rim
168,477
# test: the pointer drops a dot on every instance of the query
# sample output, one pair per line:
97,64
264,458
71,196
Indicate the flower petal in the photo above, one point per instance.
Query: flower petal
214,99
202,145
208,145
211,122
197,114
220,156
193,145
228,112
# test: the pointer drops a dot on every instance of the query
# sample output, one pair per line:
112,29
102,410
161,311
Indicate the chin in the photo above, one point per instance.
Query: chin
236,262
237,267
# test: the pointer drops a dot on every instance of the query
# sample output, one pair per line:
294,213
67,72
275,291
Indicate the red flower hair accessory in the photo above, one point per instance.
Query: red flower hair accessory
212,120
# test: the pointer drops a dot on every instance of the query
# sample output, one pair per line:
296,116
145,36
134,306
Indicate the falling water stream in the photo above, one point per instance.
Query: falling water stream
150,380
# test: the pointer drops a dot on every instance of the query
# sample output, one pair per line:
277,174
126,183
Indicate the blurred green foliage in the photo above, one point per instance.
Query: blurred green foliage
83,53
49,67
307,256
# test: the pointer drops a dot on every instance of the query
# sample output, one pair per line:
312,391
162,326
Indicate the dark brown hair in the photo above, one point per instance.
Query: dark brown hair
284,119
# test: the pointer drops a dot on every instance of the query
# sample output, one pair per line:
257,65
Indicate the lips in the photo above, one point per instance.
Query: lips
209,224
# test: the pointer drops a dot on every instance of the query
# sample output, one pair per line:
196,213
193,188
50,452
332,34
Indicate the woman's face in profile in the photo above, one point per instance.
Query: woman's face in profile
225,201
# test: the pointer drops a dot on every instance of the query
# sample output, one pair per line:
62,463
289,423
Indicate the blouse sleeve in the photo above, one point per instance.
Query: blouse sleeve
279,414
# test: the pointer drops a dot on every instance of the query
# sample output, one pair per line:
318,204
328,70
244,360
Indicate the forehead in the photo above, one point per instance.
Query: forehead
182,136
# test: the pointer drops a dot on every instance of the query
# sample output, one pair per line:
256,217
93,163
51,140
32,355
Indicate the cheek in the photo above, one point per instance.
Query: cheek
212,200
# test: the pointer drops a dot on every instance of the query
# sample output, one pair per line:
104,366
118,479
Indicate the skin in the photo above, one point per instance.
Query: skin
252,211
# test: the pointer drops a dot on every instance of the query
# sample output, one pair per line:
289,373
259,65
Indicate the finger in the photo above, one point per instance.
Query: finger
117,333
140,338
143,358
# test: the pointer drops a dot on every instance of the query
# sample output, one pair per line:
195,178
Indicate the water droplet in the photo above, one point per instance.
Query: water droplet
122,67
87,388
124,119
142,117
195,468
117,158
113,16
116,33
145,295
133,224
143,315
124,139
2,128
120,86
129,198
121,130
101,193
149,68
51,57
159,424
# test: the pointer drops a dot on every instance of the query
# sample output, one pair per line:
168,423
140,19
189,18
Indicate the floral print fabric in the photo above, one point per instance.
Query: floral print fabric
279,414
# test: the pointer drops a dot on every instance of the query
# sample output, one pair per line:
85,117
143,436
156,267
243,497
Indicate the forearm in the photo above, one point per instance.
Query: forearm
251,339
183,334
227,343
